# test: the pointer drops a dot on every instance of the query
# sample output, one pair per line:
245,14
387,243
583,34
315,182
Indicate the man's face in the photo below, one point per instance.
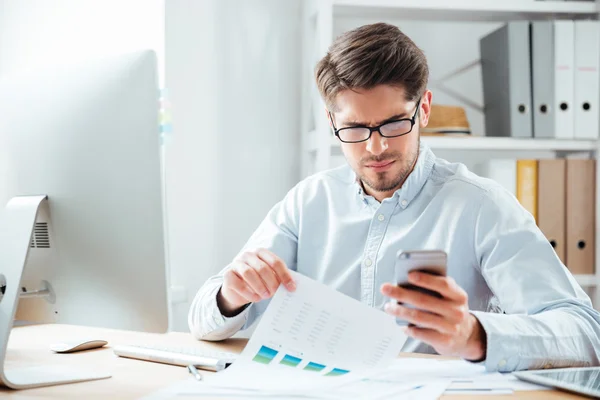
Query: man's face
382,164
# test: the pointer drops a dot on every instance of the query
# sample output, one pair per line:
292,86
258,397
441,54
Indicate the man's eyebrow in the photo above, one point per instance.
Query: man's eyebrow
351,123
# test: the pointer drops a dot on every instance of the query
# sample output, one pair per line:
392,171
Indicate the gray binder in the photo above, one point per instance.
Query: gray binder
553,58
506,73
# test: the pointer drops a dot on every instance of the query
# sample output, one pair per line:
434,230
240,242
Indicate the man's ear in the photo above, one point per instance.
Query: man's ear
425,108
328,116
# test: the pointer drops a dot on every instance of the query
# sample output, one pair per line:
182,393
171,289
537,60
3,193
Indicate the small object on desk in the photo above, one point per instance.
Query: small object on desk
192,370
202,358
77,345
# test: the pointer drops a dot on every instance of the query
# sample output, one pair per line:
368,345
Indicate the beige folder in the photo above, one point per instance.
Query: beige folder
552,203
581,216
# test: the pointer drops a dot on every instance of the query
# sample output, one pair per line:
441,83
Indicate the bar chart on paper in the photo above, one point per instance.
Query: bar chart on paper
313,366
290,361
337,372
304,342
265,355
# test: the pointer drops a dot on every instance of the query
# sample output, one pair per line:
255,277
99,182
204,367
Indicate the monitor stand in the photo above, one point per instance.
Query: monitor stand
16,229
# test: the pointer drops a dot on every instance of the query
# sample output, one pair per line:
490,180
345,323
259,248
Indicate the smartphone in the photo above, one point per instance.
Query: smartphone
428,261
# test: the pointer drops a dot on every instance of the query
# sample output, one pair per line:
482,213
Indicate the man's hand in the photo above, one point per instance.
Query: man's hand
445,323
253,276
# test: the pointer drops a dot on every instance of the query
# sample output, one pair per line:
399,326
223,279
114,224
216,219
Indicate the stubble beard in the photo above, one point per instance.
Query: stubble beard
383,181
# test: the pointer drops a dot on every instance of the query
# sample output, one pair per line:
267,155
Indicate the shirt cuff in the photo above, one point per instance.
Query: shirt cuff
209,323
502,348
219,321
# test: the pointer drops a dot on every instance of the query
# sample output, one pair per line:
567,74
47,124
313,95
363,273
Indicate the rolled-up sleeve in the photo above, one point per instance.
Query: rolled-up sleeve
547,320
278,233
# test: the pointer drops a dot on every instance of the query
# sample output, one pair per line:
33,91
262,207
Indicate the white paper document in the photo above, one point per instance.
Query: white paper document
309,343
406,378
465,377
358,389
310,338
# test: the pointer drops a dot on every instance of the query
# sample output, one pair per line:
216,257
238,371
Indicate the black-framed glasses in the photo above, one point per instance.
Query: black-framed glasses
389,129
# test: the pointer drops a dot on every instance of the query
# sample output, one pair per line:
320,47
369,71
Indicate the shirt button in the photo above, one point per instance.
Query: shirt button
404,203
502,363
381,217
368,262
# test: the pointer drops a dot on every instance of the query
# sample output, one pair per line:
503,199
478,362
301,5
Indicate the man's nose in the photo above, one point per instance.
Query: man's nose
376,144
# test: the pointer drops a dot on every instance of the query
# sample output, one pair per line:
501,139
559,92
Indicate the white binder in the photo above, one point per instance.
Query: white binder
503,171
587,80
553,61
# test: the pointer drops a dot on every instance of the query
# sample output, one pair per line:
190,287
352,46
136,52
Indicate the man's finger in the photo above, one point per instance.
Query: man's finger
265,273
237,285
422,319
417,299
279,267
251,278
435,339
444,285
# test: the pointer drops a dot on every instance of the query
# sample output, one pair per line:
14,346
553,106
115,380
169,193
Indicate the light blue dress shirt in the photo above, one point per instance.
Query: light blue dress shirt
533,311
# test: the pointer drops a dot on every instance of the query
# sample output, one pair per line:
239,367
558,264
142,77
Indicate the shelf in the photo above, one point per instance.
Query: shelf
587,280
481,143
465,10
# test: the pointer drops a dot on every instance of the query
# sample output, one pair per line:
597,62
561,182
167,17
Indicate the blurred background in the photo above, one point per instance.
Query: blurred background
245,122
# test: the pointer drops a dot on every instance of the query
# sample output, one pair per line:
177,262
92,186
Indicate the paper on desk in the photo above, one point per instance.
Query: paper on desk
355,390
483,382
493,384
314,337
386,384
466,377
418,378
376,384
463,377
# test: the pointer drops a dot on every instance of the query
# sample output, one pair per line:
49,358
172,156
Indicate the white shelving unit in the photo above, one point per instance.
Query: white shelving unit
319,146
465,10
477,143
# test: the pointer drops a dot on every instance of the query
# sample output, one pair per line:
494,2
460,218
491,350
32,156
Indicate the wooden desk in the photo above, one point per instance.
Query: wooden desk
130,378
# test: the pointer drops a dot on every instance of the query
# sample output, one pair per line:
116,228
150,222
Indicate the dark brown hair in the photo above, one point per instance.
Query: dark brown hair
372,55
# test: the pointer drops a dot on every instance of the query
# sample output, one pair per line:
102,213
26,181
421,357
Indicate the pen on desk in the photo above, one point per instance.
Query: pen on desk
192,370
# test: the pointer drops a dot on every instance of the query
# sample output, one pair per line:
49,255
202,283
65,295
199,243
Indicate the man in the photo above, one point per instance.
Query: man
508,301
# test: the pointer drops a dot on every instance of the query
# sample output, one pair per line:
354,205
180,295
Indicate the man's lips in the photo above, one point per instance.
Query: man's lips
380,166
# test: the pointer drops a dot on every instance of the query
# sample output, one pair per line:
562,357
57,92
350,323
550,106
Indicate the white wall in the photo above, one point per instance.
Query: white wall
232,73
231,70
37,32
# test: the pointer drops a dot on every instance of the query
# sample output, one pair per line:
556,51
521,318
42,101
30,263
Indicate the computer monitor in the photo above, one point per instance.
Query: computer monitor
87,137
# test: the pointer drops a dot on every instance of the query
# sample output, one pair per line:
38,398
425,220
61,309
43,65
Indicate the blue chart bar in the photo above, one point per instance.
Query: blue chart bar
265,355
290,361
337,372
311,366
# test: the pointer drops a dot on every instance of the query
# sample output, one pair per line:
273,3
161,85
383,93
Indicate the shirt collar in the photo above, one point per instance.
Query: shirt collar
415,181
